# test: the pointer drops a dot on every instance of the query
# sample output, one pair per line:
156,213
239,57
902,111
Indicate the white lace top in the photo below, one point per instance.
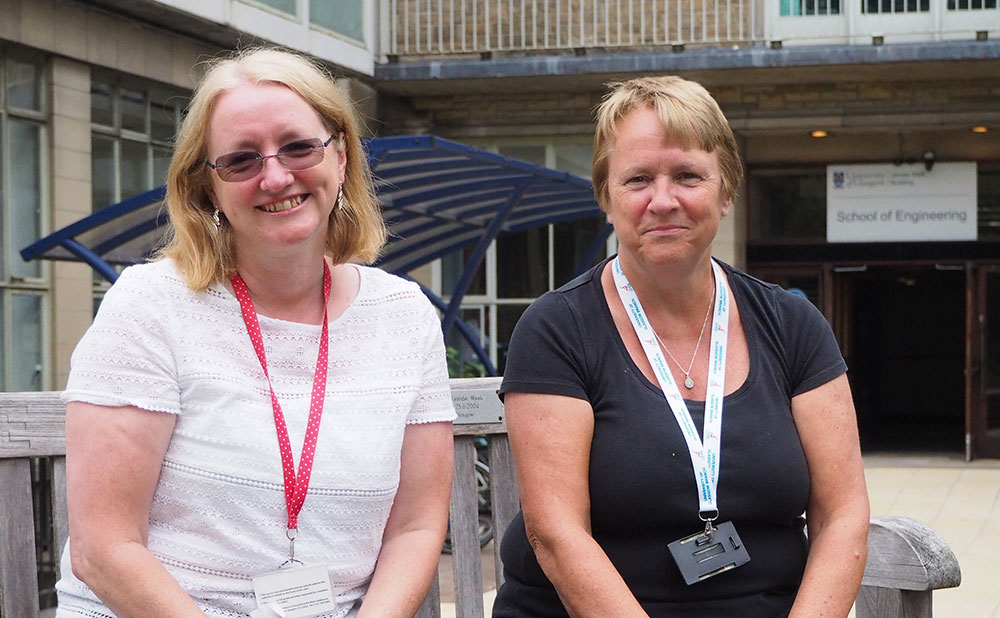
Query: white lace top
218,514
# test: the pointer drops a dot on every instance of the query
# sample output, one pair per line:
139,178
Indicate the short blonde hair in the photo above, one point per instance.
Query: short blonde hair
205,254
690,117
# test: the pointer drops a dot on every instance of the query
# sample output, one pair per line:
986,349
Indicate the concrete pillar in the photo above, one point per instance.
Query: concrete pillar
72,288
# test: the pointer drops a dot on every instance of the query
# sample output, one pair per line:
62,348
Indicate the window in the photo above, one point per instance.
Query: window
810,7
345,17
886,7
285,6
965,5
787,206
519,267
132,128
988,195
23,287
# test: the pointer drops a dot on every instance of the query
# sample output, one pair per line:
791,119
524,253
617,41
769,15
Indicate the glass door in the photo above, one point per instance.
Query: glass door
986,381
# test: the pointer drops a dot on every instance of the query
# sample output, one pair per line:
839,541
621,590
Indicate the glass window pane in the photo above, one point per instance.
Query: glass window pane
134,168
287,6
991,351
24,84
988,195
343,16
102,172
26,342
572,242
575,159
507,317
102,104
788,206
452,267
133,110
25,205
161,163
523,263
790,7
162,121
463,362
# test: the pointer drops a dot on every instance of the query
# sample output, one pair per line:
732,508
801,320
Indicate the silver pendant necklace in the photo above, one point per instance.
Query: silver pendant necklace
688,382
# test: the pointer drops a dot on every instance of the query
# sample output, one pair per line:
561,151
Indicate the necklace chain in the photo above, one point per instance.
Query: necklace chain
688,382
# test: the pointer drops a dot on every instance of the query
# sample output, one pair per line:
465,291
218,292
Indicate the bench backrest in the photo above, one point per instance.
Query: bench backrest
906,560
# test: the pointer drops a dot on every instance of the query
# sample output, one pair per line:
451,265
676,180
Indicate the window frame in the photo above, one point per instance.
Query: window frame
12,285
156,97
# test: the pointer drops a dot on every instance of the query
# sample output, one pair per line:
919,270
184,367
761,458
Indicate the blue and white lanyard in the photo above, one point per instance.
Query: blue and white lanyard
704,456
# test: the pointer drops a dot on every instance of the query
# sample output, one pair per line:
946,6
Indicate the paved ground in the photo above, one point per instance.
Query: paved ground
960,500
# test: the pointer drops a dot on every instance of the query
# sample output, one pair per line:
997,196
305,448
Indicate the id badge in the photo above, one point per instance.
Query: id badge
707,554
300,592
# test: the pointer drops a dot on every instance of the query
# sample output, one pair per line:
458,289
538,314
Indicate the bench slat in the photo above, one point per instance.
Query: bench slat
18,577
60,511
431,607
503,495
464,519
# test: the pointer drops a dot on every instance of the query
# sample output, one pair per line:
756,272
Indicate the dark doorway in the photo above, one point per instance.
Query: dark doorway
907,329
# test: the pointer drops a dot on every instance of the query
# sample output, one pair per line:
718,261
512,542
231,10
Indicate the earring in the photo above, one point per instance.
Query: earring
215,218
340,197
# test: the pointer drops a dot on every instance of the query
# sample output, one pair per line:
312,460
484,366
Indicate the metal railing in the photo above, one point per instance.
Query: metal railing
428,27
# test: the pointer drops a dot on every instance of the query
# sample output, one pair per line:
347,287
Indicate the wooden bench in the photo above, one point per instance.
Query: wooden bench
907,561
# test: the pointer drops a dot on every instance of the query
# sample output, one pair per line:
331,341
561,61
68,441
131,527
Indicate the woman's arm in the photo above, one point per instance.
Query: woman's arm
837,513
113,460
414,534
551,437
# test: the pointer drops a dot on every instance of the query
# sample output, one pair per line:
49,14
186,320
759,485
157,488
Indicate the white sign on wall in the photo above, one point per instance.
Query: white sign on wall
896,203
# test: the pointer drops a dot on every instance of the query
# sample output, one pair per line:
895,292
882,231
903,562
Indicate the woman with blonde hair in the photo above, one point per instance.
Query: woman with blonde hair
257,424
671,417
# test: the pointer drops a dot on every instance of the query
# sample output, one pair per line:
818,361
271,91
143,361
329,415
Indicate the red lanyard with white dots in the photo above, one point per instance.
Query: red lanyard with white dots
295,485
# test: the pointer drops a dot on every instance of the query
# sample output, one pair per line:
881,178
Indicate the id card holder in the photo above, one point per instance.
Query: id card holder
707,554
297,592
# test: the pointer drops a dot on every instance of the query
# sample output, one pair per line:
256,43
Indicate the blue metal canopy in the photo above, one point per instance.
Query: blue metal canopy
437,197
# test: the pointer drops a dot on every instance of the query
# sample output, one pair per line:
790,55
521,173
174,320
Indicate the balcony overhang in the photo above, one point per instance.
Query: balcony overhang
710,66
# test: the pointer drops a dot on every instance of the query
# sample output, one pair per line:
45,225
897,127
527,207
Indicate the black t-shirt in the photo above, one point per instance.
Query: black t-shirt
642,489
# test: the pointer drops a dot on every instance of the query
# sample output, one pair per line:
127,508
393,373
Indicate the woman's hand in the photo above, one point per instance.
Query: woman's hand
837,514
113,461
414,533
551,436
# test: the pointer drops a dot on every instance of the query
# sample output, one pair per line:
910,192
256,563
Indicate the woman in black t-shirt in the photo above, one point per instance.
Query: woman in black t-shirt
759,427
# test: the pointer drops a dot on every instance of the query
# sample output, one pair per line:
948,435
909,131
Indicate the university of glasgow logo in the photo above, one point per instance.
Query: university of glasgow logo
838,180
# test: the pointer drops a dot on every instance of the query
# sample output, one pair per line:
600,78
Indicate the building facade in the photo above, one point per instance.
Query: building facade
814,89
90,97
91,92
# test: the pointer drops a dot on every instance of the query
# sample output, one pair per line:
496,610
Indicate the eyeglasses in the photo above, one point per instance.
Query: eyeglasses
244,165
